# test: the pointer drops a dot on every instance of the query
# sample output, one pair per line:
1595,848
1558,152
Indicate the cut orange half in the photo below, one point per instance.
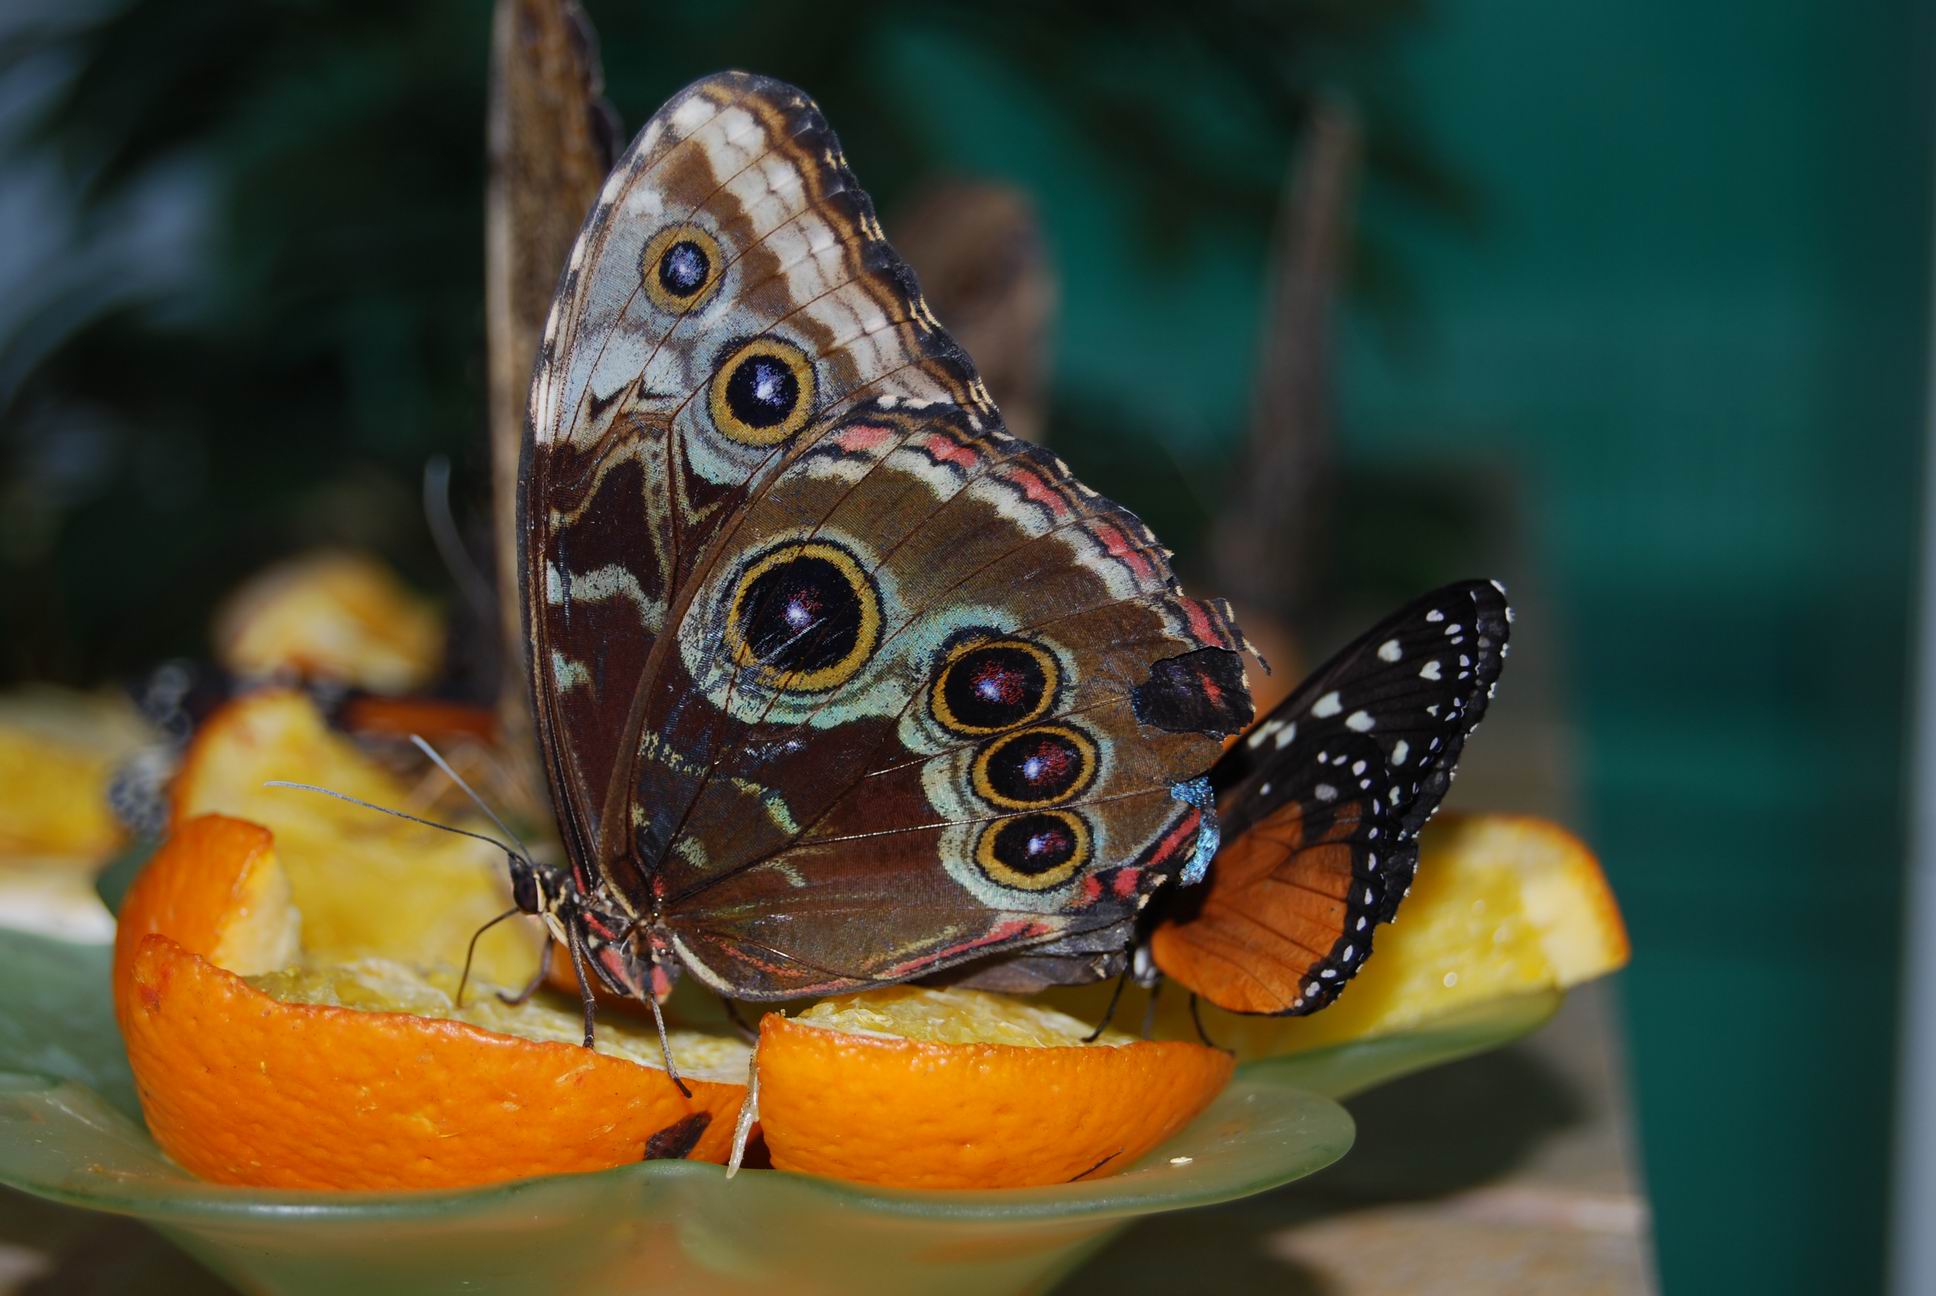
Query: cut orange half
366,1075
925,1088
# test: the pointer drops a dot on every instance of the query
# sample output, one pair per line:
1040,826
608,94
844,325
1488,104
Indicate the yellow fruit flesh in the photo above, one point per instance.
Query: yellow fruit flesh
367,884
58,752
382,985
336,616
940,1016
265,929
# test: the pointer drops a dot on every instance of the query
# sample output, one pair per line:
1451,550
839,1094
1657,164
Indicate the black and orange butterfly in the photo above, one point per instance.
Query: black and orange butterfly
1322,802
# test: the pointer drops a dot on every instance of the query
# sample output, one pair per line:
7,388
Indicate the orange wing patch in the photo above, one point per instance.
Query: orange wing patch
1274,908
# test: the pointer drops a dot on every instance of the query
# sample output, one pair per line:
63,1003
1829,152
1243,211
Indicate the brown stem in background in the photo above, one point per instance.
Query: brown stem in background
552,140
1267,544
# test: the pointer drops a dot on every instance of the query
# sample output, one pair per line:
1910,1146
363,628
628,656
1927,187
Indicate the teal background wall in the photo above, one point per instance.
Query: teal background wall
1697,322
1685,310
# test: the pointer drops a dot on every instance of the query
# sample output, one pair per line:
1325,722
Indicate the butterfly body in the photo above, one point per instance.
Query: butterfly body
837,683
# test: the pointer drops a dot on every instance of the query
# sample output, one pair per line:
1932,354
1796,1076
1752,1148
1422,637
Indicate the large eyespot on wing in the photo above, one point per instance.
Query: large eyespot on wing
805,615
763,392
1035,768
1322,803
1033,852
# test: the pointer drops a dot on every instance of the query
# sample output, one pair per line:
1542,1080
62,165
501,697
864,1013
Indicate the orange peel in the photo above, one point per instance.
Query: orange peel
243,1086
912,1088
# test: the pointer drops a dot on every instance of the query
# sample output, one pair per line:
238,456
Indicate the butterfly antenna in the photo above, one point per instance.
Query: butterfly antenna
470,952
1109,1013
444,533
437,759
398,814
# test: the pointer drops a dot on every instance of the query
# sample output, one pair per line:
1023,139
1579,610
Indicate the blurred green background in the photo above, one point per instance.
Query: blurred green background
1655,276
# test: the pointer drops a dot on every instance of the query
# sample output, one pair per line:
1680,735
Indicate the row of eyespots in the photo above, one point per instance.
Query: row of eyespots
807,617
1001,687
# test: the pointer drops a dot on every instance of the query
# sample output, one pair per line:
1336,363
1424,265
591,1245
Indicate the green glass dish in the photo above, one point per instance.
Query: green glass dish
71,1132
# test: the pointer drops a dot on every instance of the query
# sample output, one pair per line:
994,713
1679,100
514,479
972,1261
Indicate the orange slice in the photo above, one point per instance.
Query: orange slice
1503,905
928,1088
217,890
337,616
367,885
310,1077
58,752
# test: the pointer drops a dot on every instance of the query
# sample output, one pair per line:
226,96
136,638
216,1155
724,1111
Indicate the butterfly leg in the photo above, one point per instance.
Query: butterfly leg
1109,1013
1149,1009
739,1022
531,986
665,1045
577,945
471,952
1196,1020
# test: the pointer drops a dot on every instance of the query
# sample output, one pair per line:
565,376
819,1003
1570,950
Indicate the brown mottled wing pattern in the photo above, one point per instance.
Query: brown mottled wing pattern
1322,804
552,140
839,683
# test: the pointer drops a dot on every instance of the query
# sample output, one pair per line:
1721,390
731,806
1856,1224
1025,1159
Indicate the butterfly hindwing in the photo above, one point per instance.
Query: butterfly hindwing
962,684
838,683
1322,803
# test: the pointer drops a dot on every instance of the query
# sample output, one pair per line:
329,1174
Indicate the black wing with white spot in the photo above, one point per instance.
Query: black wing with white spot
1322,803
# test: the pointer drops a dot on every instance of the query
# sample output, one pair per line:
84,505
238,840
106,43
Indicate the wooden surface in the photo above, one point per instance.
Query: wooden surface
1503,1174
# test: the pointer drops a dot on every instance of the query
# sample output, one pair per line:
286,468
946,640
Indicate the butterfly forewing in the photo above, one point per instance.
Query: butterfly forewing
1322,803
730,223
